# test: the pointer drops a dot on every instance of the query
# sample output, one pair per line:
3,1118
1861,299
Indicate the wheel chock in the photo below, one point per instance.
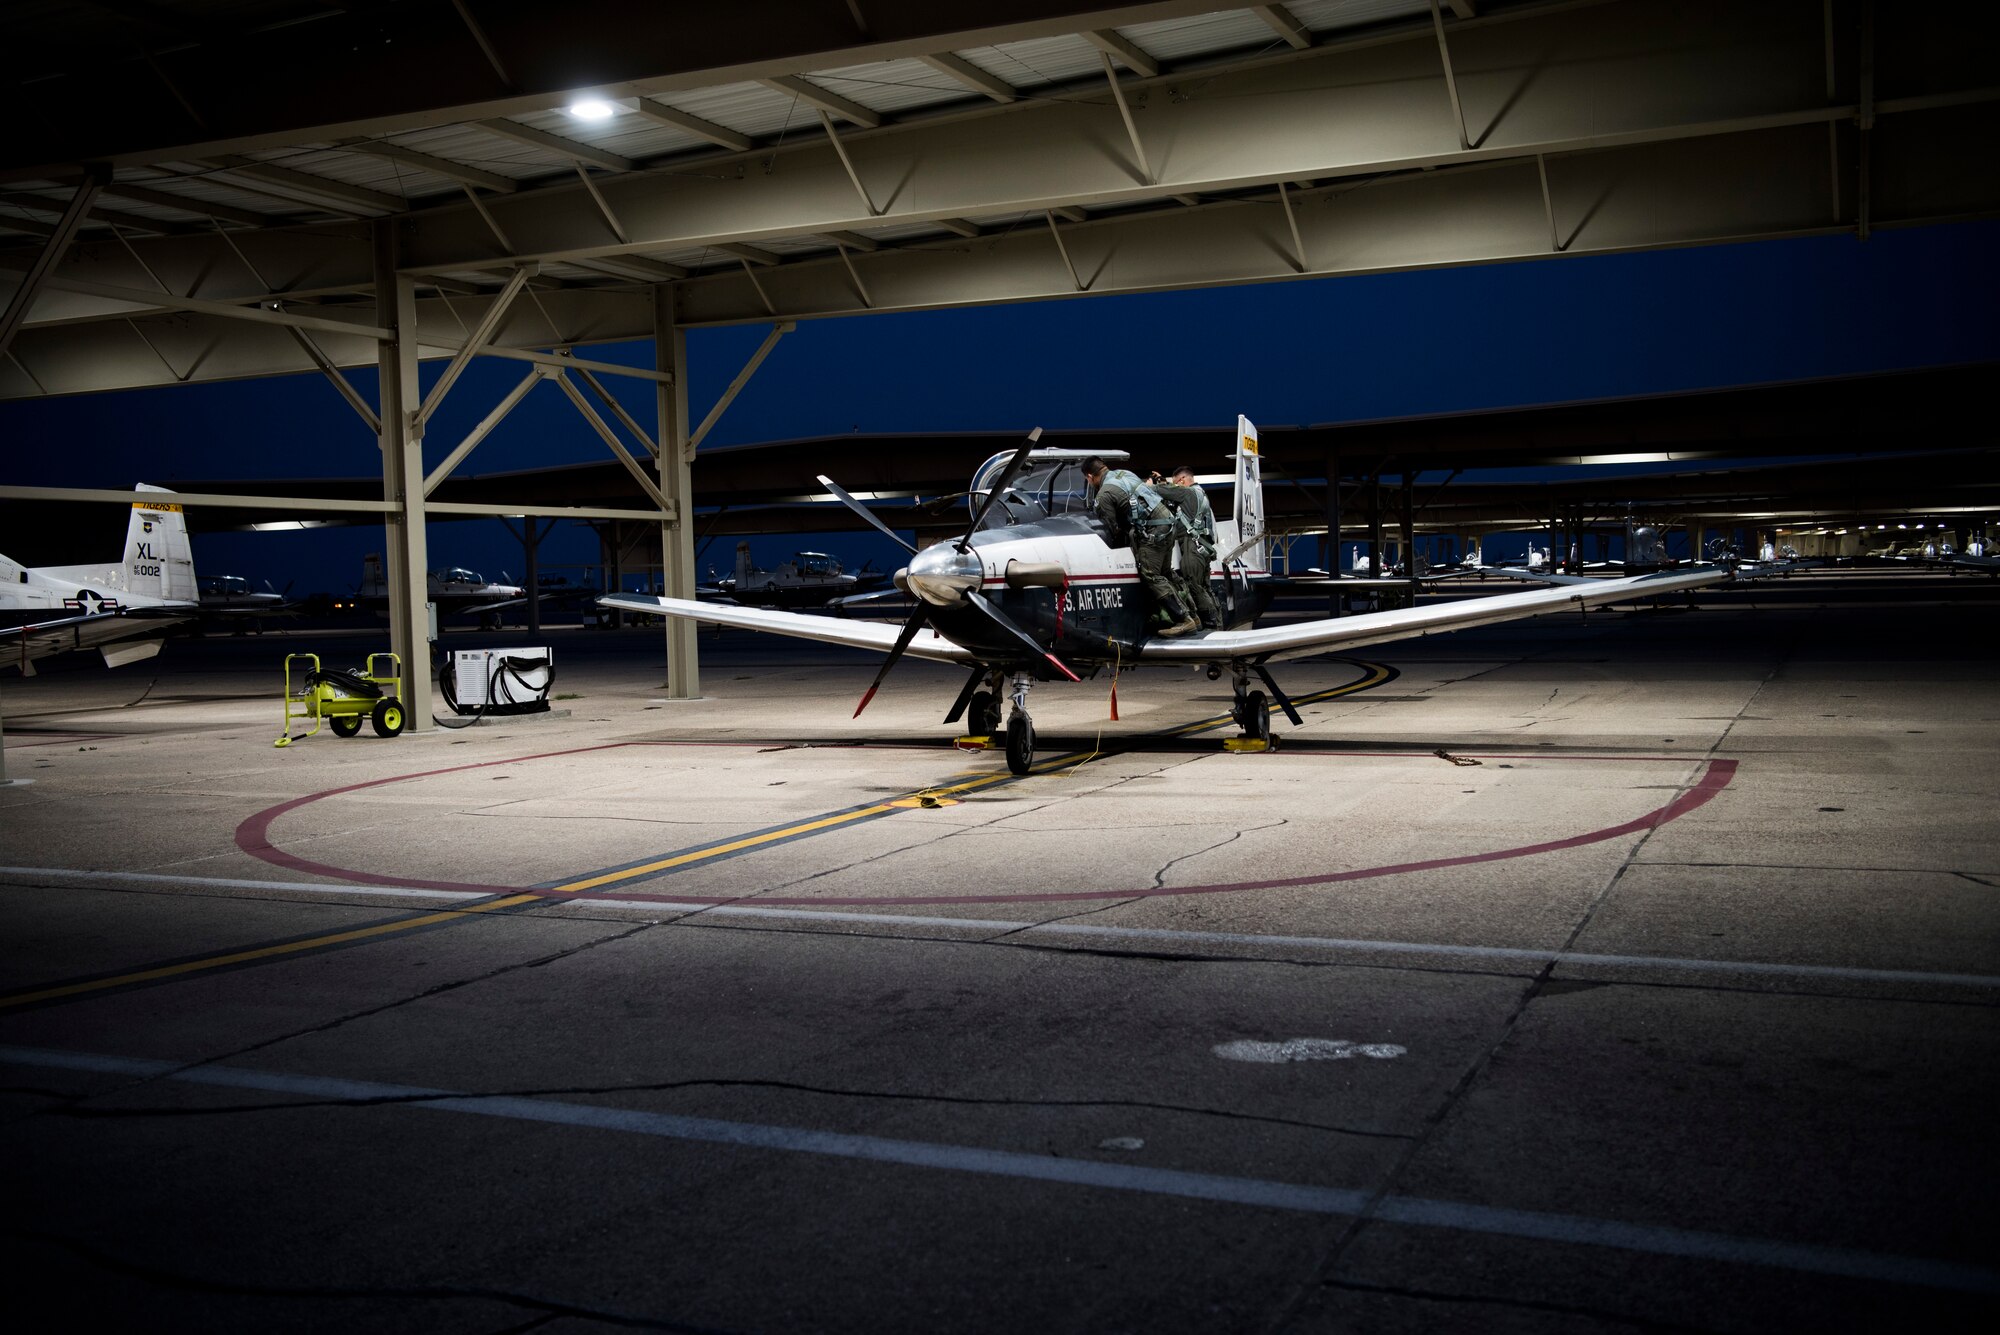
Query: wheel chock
1241,744
982,743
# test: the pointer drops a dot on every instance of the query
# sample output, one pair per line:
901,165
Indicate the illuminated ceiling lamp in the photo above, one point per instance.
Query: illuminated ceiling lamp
596,108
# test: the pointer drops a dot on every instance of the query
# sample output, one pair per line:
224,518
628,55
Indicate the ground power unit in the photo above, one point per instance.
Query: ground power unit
497,681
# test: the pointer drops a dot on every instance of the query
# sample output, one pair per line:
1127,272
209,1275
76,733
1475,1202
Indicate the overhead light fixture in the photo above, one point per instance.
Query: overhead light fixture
593,109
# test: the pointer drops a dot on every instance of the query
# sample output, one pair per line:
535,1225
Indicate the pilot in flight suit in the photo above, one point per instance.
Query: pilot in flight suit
1196,535
1134,513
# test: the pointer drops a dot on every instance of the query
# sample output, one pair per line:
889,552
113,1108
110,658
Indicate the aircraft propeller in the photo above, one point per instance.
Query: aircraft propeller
972,598
866,513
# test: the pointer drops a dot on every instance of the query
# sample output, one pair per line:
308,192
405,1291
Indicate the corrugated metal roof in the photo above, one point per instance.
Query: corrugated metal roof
753,110
1332,15
894,85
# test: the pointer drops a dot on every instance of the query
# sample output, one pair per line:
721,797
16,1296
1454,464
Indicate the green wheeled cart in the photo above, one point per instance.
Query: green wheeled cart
343,700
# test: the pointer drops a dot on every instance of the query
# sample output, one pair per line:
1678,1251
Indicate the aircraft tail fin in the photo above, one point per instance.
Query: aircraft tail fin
1249,510
372,583
158,560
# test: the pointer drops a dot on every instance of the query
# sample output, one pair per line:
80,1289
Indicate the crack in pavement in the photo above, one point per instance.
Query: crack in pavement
1518,1304
1435,1121
1160,876
191,1283
75,1110
337,1022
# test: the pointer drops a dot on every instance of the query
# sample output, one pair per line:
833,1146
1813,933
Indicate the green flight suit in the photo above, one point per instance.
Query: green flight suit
1134,514
1196,534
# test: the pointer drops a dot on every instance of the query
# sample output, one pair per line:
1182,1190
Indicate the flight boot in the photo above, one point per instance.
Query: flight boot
1184,622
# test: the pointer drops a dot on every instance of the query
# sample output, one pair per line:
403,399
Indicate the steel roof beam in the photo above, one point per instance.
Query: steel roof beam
1761,184
570,150
973,77
142,194
436,166
815,96
1281,21
138,222
720,135
354,200
1121,48
307,84
1377,107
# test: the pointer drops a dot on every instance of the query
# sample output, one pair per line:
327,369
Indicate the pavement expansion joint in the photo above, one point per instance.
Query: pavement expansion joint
76,1104
550,1309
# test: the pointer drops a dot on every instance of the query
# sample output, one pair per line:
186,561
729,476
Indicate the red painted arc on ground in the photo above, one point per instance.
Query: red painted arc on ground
253,837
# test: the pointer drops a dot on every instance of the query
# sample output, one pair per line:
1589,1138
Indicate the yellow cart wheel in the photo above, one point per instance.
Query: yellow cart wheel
344,725
387,718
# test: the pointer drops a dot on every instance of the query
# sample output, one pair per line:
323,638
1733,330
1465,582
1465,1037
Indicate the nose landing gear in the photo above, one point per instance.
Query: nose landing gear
1020,728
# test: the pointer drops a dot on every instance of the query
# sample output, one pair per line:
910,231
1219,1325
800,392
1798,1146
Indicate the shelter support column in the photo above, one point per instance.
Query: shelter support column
677,486
1333,531
1407,534
401,441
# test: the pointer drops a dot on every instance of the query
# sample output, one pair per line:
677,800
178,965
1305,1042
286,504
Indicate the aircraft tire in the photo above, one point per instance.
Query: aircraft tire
388,718
344,725
1255,716
1020,743
983,715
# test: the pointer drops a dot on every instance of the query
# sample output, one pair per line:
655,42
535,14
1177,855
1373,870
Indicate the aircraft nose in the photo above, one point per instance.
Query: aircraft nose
943,575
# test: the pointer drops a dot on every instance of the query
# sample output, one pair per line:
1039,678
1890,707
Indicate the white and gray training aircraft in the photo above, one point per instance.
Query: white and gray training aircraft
123,609
1034,590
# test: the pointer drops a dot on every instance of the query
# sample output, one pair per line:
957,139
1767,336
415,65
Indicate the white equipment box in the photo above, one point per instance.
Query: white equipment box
518,679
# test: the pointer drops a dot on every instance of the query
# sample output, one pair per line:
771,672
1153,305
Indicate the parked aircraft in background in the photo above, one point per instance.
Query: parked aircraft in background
229,603
123,610
809,579
455,590
1034,591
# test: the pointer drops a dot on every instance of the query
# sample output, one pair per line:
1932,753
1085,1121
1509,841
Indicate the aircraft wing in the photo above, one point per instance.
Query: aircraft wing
1301,638
877,635
114,633
1539,576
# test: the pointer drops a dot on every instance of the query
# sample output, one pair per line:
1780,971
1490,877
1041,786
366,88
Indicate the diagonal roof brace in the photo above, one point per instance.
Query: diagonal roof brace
340,382
489,325
700,433
485,428
610,438
52,253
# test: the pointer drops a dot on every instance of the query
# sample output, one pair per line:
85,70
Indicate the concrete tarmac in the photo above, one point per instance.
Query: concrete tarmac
1636,971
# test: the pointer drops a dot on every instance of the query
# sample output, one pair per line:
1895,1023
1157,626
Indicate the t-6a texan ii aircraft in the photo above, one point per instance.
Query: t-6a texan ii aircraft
1036,590
123,610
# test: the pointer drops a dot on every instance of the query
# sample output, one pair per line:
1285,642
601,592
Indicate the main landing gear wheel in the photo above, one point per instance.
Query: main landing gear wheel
983,715
1253,713
1020,742
387,718
344,725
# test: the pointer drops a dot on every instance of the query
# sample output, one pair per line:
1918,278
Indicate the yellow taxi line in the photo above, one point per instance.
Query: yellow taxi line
258,953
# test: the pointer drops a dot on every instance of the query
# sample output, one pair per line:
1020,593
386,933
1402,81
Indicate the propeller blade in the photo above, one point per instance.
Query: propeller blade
1000,485
1027,641
866,513
910,629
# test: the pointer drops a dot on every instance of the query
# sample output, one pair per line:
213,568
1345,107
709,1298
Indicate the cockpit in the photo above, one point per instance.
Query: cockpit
224,585
458,575
1051,483
815,563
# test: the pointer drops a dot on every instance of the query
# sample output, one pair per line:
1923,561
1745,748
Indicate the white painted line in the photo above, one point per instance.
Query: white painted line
1005,927
69,875
1304,1050
1511,954
1258,1192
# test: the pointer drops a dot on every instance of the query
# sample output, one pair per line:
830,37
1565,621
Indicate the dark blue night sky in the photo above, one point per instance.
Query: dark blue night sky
1325,350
